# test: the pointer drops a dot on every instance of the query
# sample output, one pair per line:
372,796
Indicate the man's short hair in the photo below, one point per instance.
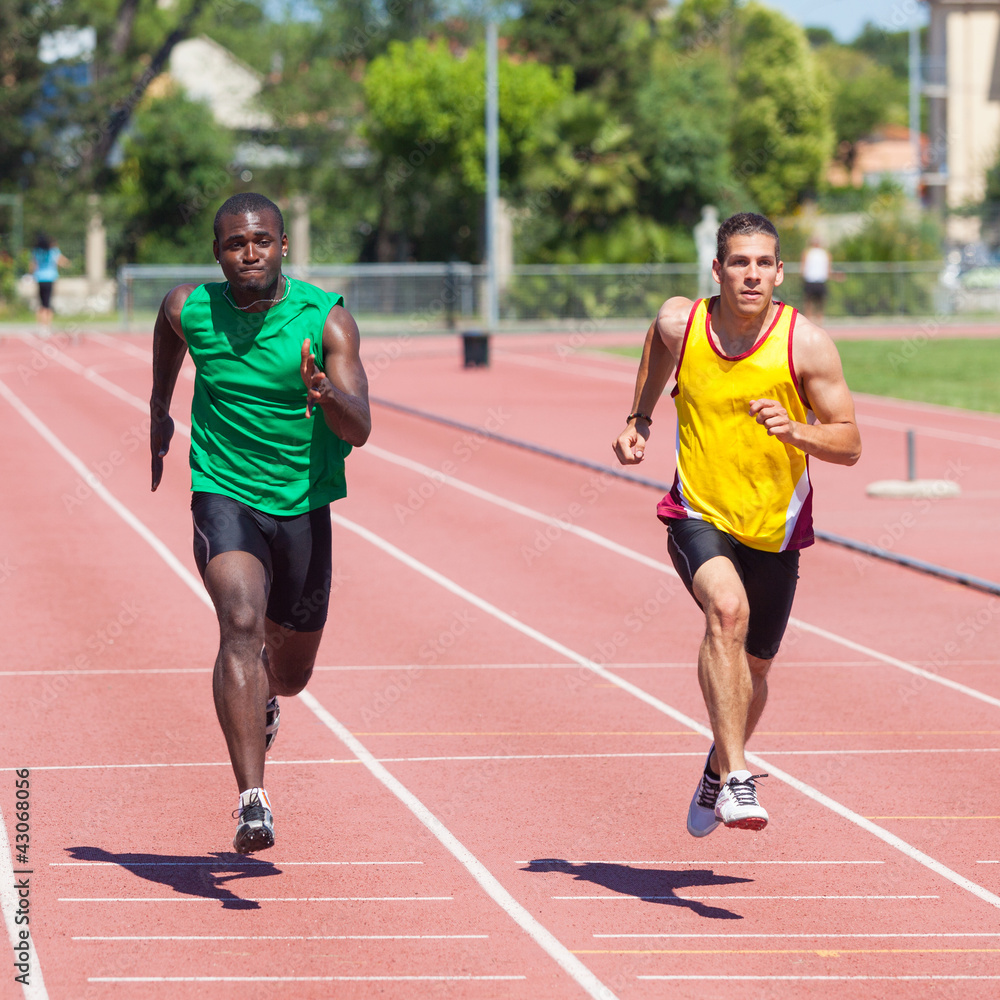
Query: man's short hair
744,224
248,201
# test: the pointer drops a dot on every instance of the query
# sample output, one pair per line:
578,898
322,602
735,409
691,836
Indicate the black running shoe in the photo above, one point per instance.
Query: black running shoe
255,829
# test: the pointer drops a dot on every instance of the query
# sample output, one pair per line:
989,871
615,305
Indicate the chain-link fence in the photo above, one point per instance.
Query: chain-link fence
434,297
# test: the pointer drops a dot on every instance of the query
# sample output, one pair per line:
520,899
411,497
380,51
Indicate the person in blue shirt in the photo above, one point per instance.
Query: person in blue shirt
46,260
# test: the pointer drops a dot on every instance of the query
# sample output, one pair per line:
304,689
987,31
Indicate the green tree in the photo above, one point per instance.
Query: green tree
782,137
425,128
683,118
604,41
863,96
176,173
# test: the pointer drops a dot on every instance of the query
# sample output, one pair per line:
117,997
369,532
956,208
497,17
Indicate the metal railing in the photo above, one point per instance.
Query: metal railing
426,297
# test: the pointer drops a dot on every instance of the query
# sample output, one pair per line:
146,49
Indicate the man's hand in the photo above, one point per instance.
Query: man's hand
161,430
317,384
631,443
771,414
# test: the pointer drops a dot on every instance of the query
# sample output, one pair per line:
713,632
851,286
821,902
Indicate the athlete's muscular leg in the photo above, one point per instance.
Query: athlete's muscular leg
758,676
289,658
237,585
735,690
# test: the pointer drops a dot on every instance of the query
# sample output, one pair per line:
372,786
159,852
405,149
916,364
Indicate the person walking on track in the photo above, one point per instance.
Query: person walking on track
759,389
280,398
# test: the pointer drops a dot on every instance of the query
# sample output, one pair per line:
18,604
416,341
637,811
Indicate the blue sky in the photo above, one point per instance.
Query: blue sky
846,18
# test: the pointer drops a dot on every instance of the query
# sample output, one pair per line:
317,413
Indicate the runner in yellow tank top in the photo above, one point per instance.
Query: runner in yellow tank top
759,390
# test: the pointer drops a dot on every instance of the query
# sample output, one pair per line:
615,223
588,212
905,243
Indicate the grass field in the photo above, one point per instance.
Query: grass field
964,373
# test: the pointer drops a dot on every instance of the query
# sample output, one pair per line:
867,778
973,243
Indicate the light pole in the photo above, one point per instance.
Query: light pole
492,174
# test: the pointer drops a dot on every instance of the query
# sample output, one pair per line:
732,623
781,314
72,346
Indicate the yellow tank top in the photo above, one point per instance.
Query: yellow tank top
730,472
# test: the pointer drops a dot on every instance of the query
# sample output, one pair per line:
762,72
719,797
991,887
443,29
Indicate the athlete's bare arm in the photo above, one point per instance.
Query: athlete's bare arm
169,348
341,391
659,358
835,437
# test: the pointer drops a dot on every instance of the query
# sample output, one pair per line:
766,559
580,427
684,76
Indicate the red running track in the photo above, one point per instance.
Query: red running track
483,792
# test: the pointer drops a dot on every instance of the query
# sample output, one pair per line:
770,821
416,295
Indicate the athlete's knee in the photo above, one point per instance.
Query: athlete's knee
727,615
241,622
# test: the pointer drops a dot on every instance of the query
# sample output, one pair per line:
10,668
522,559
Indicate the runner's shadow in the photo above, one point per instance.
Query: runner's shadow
651,885
195,876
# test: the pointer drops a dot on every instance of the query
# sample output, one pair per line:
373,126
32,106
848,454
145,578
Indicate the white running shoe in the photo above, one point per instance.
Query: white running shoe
701,812
272,721
737,804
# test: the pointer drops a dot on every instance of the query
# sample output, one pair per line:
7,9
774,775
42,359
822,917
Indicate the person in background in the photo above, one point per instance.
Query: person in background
46,260
815,275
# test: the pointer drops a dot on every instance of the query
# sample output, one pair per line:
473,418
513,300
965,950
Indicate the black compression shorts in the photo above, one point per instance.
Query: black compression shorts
769,578
295,552
45,294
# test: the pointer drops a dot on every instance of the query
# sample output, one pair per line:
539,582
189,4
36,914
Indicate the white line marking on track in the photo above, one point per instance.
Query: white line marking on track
459,758
681,899
34,987
256,899
748,861
740,979
221,863
841,810
934,432
299,979
544,938
493,498
900,934
283,937
639,557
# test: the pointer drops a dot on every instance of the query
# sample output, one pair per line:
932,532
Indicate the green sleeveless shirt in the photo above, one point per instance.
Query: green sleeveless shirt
250,438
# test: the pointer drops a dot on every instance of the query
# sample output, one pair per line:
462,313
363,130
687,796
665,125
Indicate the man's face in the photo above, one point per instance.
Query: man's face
750,273
249,248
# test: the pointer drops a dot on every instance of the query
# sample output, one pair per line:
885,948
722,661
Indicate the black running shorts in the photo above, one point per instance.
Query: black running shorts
45,294
295,552
769,578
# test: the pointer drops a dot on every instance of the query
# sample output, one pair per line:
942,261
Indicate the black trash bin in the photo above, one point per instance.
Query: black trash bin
476,349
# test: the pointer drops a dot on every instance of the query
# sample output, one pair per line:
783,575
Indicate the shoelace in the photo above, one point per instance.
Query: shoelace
743,790
254,801
708,791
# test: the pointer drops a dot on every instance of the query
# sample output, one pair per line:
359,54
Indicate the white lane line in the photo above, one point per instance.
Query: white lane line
934,432
825,979
256,899
53,353
460,758
436,474
563,957
33,985
639,557
300,979
684,899
564,368
836,807
93,481
262,863
748,861
898,934
214,763
282,937
543,937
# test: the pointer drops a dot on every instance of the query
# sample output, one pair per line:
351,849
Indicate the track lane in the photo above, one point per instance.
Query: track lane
479,517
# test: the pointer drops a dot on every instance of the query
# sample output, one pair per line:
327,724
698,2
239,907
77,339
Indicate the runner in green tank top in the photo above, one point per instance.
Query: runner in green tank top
280,398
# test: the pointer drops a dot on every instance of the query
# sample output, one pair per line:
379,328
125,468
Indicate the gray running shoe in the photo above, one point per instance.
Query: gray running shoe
255,829
701,813
272,721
